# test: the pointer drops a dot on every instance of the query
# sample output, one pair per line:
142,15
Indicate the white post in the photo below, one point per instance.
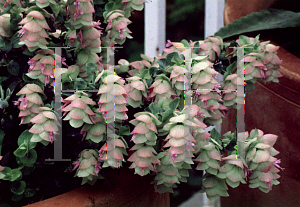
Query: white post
155,27
214,20
214,10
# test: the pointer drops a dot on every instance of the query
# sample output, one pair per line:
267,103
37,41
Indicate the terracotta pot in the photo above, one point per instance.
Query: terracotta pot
235,9
275,109
124,190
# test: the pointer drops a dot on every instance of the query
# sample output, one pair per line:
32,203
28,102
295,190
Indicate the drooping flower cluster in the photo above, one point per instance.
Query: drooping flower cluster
45,125
178,79
137,91
259,165
173,47
169,173
29,102
81,13
87,38
261,161
88,166
160,88
33,31
233,170
233,98
91,40
176,161
201,138
113,151
214,187
144,137
211,46
180,140
95,132
112,102
209,158
117,26
138,66
261,60
206,91
5,26
78,110
130,5
42,66
135,68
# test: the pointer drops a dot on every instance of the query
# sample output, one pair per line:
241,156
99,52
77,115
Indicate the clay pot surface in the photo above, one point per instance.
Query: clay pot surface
124,190
235,9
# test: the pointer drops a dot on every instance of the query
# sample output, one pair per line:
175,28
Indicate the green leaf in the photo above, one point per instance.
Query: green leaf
21,151
80,84
215,134
13,68
91,67
153,71
185,43
149,81
2,134
109,7
55,9
263,20
167,115
155,110
7,48
144,74
163,63
2,78
138,7
6,171
15,41
18,187
15,174
170,56
30,158
2,43
177,61
174,104
42,5
25,138
196,47
123,130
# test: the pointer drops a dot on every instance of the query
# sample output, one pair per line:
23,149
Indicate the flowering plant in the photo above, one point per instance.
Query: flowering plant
138,106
